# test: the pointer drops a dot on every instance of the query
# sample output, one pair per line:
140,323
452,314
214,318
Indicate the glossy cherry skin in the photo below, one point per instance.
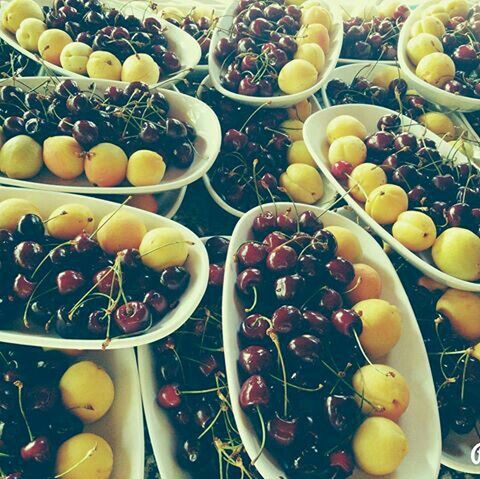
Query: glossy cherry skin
309,266
254,392
38,450
132,317
23,287
309,222
340,271
69,281
347,321
252,254
317,322
255,360
290,288
174,280
342,460
30,227
329,300
248,279
342,413
169,396
273,240
217,249
28,254
306,348
286,319
281,259
254,327
216,275
157,303
323,245
106,281
283,432
264,223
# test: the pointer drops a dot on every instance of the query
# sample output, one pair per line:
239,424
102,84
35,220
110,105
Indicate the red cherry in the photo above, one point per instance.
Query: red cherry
282,431
69,281
286,318
216,274
282,259
132,317
346,321
254,392
255,359
341,170
341,460
254,327
169,396
273,240
106,281
252,254
37,450
22,287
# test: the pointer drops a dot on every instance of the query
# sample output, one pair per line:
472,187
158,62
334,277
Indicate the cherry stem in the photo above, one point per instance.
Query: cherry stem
255,298
88,454
127,199
19,386
264,435
210,426
202,391
273,336
364,354
190,243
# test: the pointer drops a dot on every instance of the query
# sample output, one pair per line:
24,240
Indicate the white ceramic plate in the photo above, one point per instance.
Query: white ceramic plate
315,137
183,107
280,101
122,426
197,265
329,192
457,452
420,422
185,46
429,92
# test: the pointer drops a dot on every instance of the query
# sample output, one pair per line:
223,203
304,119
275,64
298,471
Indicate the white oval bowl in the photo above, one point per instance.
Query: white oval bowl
279,101
185,46
408,356
429,92
314,132
183,107
124,420
329,192
197,265
353,61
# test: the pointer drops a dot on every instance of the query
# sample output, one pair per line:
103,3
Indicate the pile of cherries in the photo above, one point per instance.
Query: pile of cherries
461,42
132,117
374,39
108,29
298,347
78,290
362,90
260,43
248,135
193,388
447,192
34,421
456,373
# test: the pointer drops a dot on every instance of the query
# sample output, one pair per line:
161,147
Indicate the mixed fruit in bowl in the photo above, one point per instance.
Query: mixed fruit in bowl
263,155
74,135
48,398
80,275
271,48
87,38
373,34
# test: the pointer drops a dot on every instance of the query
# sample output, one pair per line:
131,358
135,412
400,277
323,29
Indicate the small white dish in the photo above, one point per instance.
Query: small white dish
185,46
408,356
315,137
207,144
197,265
281,100
122,426
329,192
459,452
429,92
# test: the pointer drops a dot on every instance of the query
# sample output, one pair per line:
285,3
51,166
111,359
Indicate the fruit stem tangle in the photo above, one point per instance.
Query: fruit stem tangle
87,455
19,386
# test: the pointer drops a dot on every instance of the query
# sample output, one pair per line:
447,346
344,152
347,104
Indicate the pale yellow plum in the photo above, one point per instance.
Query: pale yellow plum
386,203
140,67
87,391
298,153
345,125
316,14
302,183
475,351
144,202
462,309
385,75
84,456
29,32
63,156
422,45
312,53
364,179
51,43
366,284
111,232
294,2
436,69
12,209
456,8
347,148
314,33
348,246
164,247
69,220
106,165
104,65
21,157
301,111
437,11
387,8
145,168
18,10
457,252
439,123
293,128
463,146
431,25
297,76
431,284
389,450
74,57
415,230
382,326
381,391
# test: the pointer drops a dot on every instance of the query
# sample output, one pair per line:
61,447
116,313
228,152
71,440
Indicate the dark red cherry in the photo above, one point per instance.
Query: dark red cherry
28,255
341,461
282,432
254,327
264,223
342,413
290,288
23,287
174,280
389,122
252,254
329,300
309,222
286,319
323,245
340,271
281,259
406,140
459,215
273,240
341,170
132,317
254,392
286,224
216,274
309,266
317,322
255,360
30,227
69,281
306,348
38,450
157,303
346,322
169,396
248,279
106,281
